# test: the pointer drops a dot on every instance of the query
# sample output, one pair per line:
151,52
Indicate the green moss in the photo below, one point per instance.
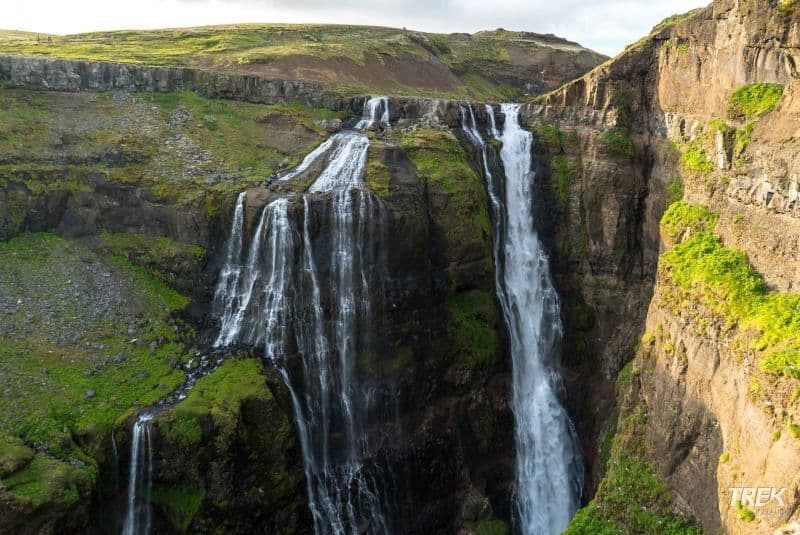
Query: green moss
73,363
744,513
444,165
217,397
724,457
549,136
14,455
608,441
720,278
491,527
695,159
183,148
378,175
46,480
617,141
794,429
743,137
681,217
672,20
674,191
565,173
474,338
788,7
631,499
164,257
180,504
751,101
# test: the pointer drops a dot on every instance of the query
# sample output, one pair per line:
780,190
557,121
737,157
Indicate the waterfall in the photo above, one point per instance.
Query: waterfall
549,473
315,300
139,515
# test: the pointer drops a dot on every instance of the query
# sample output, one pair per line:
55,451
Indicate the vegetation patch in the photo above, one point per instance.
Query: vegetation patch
180,146
86,341
443,163
683,217
619,142
695,160
180,503
165,258
674,191
47,480
473,316
631,499
377,173
491,527
722,279
215,398
751,101
565,172
672,20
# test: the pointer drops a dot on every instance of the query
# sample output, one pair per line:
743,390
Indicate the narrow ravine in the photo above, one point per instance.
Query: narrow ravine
310,305
549,472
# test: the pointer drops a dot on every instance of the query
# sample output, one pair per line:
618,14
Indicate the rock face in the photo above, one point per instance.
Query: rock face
26,72
617,147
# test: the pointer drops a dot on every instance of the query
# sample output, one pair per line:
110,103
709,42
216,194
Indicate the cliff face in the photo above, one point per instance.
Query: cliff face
703,109
149,180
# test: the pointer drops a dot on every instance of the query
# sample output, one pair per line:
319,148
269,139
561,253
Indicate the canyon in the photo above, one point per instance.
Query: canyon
663,202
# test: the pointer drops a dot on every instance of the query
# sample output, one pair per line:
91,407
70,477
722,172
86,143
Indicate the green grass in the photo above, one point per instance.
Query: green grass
681,217
465,66
722,279
163,257
377,173
180,503
674,191
472,317
47,479
695,160
631,499
491,527
72,368
744,513
217,397
14,454
672,20
794,430
565,172
443,164
618,142
751,101
182,147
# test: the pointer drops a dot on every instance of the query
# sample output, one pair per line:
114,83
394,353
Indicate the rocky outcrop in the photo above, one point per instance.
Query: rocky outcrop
39,73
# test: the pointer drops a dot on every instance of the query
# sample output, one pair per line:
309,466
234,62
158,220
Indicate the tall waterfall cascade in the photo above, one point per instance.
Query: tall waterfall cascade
549,470
139,514
309,304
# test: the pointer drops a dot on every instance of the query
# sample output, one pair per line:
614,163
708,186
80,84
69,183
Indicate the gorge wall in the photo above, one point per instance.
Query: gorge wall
693,111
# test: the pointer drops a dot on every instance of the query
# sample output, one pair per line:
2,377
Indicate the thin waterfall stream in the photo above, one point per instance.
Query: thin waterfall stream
309,305
549,470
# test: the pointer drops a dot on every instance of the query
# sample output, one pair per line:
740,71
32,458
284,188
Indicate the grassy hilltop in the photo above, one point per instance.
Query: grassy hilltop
355,59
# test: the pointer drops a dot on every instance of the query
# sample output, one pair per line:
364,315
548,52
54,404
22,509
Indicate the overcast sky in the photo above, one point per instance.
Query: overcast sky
604,25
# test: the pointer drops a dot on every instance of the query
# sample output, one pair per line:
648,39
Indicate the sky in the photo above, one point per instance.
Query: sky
603,25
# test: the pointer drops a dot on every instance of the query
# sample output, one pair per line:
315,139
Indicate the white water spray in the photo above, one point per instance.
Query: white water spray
549,474
139,515
274,295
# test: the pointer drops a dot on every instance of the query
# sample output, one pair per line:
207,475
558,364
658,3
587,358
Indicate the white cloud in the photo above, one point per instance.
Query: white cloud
606,26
